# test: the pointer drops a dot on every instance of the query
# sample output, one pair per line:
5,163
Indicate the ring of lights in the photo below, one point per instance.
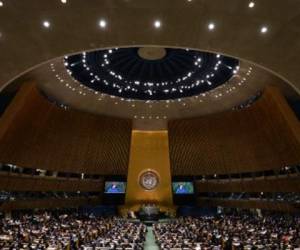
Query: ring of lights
149,180
124,73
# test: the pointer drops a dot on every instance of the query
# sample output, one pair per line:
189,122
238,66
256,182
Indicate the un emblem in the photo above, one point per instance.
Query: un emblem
149,180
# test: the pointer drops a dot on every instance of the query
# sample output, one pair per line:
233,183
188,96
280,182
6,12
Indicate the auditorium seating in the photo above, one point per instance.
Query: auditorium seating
72,230
230,232
69,231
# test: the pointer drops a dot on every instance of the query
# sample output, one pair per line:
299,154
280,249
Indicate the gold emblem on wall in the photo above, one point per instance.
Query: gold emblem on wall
149,180
149,174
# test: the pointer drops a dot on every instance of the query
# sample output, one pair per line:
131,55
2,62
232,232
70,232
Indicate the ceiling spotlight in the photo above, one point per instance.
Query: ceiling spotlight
1,3
46,24
102,23
63,1
251,4
157,24
264,29
211,26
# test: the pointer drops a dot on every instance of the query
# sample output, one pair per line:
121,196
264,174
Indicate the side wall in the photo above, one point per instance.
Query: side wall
285,184
50,203
36,133
262,137
17,182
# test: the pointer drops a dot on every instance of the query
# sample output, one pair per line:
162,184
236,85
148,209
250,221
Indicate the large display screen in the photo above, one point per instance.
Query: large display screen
183,187
115,187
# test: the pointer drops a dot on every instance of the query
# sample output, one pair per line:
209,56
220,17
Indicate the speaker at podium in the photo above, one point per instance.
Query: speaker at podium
149,212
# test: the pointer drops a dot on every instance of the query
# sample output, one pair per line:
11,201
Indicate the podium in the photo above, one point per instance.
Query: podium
149,213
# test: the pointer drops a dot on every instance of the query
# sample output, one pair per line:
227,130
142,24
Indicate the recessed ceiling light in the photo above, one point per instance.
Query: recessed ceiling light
46,24
1,3
63,1
264,29
102,23
251,4
211,26
157,24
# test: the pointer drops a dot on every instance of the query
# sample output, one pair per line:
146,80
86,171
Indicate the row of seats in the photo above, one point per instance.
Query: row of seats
49,231
230,233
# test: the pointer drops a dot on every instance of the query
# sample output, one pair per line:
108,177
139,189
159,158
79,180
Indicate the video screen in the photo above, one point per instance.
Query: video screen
115,187
183,187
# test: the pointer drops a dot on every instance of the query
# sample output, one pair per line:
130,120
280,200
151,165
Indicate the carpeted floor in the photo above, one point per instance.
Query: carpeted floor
150,241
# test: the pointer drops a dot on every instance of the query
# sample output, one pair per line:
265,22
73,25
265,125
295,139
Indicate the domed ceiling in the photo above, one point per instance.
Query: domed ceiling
90,81
151,73
265,33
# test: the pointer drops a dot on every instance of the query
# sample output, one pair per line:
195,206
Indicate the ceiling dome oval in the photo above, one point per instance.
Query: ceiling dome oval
151,73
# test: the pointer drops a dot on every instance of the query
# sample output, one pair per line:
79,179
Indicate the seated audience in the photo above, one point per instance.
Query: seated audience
229,233
50,231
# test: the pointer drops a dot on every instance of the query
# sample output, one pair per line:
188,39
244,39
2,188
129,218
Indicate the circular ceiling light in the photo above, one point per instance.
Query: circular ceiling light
251,5
211,26
264,29
157,24
46,24
151,73
64,1
102,23
1,4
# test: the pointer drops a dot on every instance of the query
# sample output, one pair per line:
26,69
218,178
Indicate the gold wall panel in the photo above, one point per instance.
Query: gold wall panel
36,133
263,136
149,151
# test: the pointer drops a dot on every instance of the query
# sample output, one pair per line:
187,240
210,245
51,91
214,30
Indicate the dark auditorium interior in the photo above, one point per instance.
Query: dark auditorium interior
150,124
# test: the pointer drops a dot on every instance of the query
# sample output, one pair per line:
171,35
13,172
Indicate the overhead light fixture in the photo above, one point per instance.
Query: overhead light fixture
211,26
157,24
153,87
251,5
46,24
102,23
264,29
1,4
63,1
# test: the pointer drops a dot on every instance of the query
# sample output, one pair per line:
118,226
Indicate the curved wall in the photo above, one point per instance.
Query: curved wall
17,182
282,184
52,203
262,137
249,204
37,133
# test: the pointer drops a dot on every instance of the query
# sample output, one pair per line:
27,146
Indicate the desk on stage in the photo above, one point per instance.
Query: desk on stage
149,212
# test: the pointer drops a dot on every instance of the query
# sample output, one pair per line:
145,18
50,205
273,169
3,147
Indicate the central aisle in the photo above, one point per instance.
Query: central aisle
150,240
